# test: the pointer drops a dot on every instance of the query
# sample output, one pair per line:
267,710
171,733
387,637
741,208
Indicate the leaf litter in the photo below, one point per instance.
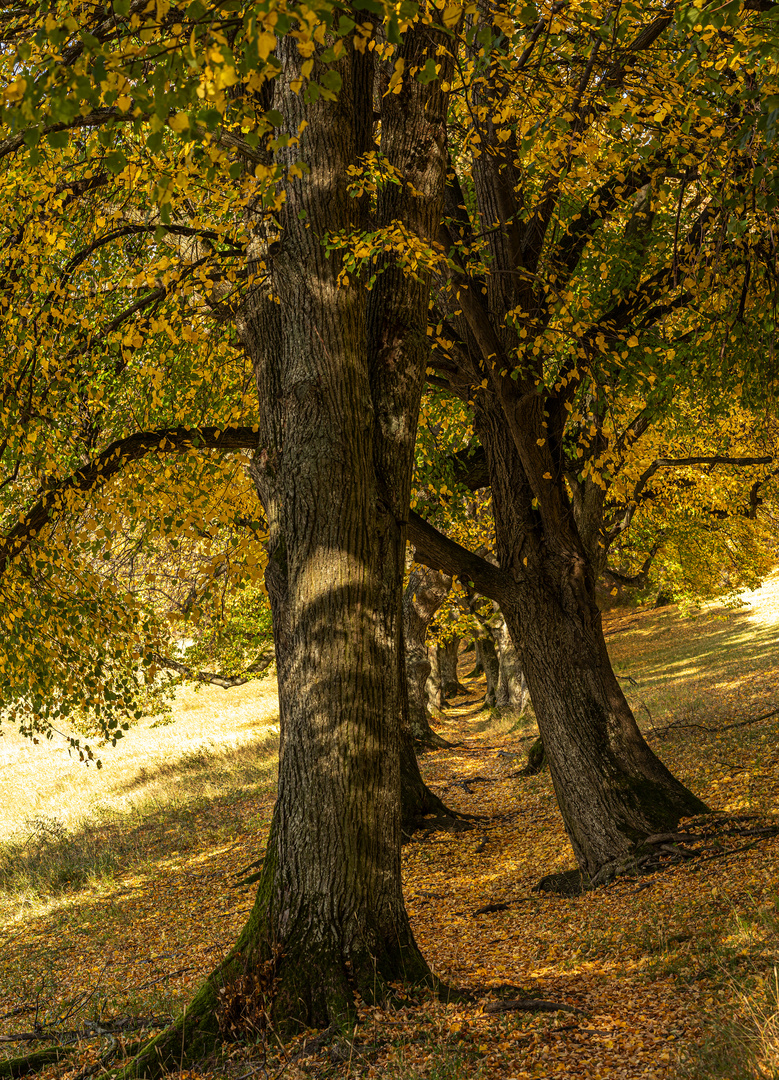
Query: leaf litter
646,977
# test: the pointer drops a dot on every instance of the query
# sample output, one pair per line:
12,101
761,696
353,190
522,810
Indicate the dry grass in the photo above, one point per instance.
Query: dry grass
68,826
44,781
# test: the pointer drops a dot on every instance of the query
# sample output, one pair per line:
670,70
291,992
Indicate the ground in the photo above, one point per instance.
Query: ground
119,886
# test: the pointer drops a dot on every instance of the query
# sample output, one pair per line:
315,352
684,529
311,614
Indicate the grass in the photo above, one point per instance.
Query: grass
68,826
117,887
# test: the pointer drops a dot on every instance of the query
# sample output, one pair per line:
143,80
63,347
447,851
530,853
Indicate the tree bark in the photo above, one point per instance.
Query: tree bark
426,591
512,694
340,381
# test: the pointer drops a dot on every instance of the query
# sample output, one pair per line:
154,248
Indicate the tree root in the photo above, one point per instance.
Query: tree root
661,850
531,1005
32,1063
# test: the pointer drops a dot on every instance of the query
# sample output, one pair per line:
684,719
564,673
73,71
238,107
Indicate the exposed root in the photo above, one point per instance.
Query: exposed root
531,1005
32,1063
661,850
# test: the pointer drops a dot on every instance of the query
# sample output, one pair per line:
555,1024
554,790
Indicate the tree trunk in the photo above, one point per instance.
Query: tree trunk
488,658
512,692
417,801
611,788
448,655
423,596
339,385
433,687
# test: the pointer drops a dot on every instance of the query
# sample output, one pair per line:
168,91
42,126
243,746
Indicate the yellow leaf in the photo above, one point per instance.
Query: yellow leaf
266,43
179,122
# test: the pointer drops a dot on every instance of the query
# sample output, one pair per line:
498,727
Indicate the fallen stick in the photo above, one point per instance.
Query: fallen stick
531,1005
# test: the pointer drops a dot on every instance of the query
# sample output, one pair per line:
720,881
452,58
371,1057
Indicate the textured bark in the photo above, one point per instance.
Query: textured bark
426,591
549,506
339,374
512,693
488,658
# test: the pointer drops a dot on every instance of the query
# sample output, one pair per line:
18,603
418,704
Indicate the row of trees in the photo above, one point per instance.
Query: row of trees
261,228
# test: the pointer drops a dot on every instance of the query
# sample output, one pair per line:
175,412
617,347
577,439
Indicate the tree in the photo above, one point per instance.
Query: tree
588,279
339,373
425,592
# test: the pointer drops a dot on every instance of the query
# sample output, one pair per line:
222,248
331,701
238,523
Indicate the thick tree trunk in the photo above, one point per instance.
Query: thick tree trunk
423,596
340,386
611,788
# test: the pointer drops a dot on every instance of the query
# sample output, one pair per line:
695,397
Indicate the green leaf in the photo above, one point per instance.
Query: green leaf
332,80
428,72
115,161
57,139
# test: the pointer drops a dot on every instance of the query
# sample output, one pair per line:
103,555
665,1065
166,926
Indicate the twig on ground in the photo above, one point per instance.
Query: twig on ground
531,1005
677,725
466,780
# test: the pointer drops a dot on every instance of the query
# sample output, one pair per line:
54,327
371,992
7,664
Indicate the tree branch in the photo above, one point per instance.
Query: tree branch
634,581
432,548
96,118
107,464
262,663
671,463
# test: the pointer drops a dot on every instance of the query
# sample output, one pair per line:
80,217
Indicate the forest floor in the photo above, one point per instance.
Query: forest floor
117,888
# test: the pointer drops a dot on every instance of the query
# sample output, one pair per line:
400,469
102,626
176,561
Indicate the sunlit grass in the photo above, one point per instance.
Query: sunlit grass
69,827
